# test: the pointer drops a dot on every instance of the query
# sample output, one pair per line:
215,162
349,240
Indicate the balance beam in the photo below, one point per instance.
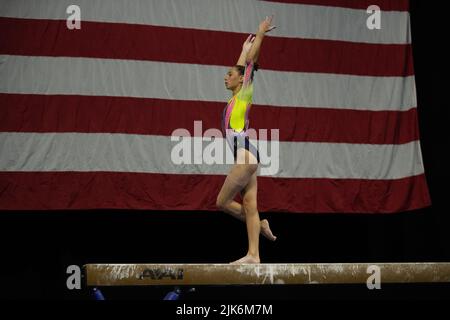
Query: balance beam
262,274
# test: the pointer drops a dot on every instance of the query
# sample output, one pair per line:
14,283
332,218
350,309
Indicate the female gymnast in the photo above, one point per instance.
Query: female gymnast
242,176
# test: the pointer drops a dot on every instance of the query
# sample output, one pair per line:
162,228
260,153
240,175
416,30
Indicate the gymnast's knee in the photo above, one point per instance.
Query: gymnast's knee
221,203
249,204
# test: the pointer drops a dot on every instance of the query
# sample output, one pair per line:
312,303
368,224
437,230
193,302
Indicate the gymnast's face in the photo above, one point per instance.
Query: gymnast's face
233,79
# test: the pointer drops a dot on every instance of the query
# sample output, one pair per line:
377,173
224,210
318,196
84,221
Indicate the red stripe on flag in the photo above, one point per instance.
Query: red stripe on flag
385,5
93,190
99,114
138,42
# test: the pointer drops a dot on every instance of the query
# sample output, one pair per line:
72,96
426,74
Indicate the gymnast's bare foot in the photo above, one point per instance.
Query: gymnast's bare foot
265,230
247,259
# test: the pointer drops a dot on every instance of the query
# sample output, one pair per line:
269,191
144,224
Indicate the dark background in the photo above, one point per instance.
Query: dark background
37,247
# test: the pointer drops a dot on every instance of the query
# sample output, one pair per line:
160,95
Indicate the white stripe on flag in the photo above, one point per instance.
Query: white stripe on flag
294,20
136,153
177,81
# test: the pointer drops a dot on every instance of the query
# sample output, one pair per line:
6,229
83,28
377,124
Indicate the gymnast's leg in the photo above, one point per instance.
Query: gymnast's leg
238,180
253,223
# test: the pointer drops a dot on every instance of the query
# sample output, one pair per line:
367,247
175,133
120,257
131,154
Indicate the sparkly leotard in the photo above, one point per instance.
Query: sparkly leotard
235,116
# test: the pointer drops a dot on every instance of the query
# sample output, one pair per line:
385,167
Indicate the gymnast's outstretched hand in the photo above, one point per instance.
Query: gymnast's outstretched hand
248,43
266,25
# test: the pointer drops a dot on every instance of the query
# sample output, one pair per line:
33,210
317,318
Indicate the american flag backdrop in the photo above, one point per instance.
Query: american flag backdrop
86,115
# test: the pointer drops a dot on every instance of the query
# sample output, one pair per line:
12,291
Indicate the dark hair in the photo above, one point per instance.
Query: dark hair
241,69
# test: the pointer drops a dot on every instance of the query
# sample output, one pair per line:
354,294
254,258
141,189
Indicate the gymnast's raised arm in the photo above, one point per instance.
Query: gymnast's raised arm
264,26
